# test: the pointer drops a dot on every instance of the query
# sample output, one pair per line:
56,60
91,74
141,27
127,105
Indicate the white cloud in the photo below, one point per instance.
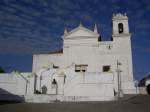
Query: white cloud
8,9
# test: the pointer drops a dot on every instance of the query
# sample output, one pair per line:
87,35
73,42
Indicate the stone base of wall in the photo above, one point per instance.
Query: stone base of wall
142,90
86,98
131,91
59,98
129,88
41,98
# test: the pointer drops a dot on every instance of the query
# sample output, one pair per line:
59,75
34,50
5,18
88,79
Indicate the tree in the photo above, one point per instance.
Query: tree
2,70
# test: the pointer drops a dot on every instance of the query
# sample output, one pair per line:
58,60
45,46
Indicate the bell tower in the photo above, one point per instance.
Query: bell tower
123,52
120,25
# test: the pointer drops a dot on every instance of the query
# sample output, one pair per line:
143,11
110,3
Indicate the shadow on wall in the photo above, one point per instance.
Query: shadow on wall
7,97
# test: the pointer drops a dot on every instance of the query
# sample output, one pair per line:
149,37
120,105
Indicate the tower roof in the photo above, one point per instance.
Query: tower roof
119,16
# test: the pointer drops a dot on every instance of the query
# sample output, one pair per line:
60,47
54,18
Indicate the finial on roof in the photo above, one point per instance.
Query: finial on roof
65,31
95,29
80,25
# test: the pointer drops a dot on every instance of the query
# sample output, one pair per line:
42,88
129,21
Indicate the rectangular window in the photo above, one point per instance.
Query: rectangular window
106,68
81,68
55,67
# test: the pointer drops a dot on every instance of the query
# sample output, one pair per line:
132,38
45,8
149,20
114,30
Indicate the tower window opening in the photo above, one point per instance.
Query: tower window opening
120,27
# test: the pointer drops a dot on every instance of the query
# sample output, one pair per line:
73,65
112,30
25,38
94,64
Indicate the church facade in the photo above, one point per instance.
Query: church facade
86,68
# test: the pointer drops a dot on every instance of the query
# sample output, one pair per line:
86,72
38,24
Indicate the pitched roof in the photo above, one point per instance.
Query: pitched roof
81,31
143,80
60,51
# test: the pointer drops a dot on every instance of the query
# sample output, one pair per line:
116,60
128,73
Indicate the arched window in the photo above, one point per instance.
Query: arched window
54,82
54,86
44,89
120,27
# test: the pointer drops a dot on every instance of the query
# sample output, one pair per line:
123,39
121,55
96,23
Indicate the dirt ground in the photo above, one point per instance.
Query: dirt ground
139,103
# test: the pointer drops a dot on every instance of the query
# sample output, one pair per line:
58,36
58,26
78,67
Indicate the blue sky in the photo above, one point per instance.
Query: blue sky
35,26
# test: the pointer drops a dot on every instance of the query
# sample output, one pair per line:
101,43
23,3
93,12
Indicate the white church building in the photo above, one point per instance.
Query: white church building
85,69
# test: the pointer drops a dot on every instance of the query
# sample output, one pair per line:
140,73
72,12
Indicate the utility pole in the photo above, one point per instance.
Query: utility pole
41,83
119,79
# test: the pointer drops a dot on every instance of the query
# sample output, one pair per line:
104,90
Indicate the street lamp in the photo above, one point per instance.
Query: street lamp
120,93
40,83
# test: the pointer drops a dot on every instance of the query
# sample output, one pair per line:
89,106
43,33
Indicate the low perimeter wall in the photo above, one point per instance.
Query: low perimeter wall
13,86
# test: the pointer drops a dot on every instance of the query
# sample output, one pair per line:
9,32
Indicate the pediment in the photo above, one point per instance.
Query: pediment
81,32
